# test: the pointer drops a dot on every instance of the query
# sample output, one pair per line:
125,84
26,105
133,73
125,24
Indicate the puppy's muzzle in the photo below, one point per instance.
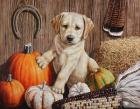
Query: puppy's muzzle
70,38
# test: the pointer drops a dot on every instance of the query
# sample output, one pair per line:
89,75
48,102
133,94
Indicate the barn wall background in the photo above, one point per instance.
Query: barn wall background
48,9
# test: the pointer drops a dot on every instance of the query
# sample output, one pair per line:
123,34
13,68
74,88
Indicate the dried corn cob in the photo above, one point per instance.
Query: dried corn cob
102,99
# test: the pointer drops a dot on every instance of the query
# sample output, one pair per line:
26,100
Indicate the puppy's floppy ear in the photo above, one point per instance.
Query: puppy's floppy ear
88,26
56,22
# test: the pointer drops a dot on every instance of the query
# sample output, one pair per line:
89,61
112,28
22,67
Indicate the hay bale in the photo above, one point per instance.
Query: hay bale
118,55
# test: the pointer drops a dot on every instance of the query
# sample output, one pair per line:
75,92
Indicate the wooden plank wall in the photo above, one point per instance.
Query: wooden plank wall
50,8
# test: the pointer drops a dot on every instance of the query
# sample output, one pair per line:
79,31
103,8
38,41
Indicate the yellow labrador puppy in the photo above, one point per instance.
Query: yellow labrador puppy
70,61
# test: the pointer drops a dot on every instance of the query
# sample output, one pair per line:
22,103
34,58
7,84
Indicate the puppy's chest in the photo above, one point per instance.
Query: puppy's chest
80,72
63,59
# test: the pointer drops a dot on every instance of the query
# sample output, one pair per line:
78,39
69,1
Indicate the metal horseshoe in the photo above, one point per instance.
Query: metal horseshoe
26,8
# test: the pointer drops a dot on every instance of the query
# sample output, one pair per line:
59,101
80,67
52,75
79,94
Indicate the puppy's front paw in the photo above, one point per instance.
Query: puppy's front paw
42,62
96,70
58,90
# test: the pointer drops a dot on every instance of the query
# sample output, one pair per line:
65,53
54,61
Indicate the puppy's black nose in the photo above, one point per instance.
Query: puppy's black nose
69,37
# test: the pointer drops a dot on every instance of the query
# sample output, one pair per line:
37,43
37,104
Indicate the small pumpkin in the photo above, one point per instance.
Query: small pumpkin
11,92
79,88
41,97
100,79
25,69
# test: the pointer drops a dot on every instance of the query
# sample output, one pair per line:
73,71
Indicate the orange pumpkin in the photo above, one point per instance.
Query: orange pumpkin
11,92
25,69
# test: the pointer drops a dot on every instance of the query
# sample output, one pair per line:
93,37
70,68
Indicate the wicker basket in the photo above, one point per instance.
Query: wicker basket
103,99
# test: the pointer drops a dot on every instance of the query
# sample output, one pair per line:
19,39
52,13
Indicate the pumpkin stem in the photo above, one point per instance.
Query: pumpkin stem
28,48
43,84
9,77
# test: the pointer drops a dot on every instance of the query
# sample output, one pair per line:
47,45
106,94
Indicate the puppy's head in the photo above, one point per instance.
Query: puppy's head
72,27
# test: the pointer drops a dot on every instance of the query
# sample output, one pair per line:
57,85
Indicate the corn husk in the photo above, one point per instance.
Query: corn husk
128,86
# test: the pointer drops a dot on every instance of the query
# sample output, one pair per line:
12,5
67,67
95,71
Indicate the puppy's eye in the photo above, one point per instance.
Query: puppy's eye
65,26
77,28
